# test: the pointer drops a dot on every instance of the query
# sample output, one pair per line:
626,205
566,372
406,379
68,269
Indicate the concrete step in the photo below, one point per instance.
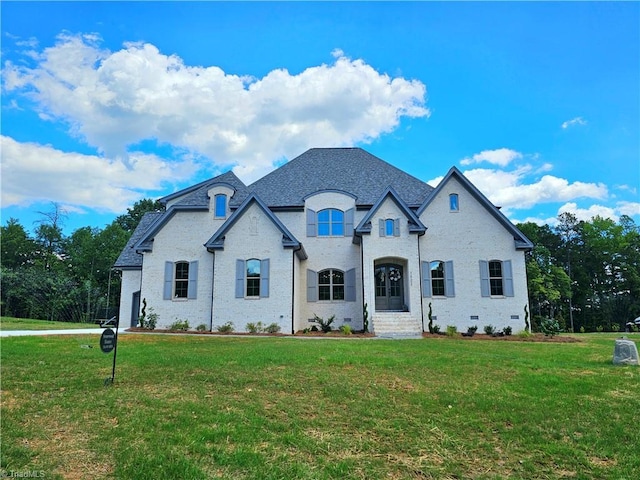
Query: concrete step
396,325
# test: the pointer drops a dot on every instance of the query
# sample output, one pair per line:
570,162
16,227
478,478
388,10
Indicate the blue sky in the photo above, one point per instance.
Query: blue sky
105,103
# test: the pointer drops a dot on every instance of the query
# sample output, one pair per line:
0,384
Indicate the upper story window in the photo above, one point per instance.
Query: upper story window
220,206
389,227
331,284
330,223
454,205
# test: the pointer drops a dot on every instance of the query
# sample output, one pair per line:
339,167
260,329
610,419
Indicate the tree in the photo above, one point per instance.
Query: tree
130,220
17,247
567,229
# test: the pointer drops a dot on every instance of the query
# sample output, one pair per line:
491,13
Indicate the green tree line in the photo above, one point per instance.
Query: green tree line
51,276
584,274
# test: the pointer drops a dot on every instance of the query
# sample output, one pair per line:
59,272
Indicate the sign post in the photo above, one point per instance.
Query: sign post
108,342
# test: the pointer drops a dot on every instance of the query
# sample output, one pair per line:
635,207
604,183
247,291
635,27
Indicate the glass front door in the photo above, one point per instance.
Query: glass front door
389,287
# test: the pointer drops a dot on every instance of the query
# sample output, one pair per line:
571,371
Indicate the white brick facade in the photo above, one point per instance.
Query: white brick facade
382,239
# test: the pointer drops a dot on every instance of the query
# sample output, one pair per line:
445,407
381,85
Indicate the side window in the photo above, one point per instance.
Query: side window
495,277
253,278
180,280
437,278
454,204
220,204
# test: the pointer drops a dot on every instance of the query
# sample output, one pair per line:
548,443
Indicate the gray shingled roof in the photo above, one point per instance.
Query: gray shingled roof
128,257
199,196
352,170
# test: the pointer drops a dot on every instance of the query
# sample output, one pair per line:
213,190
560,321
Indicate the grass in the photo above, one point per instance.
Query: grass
193,407
10,323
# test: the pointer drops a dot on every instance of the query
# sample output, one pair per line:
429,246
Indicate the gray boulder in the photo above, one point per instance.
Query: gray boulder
625,353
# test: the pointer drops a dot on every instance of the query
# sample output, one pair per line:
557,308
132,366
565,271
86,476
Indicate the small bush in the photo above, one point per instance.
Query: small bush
489,329
436,329
179,326
508,330
582,330
615,327
315,329
255,327
201,328
599,329
325,325
149,321
346,329
550,327
525,334
225,328
452,330
272,328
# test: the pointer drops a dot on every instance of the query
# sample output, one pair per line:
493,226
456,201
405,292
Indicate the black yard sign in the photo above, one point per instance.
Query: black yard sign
109,342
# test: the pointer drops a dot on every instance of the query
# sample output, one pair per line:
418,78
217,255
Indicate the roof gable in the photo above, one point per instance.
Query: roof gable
196,195
216,242
349,170
129,258
415,225
521,241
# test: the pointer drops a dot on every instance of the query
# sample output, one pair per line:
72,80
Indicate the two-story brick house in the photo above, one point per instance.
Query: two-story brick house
334,231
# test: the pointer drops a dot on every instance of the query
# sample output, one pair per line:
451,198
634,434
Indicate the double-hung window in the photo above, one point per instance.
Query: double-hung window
180,280
252,278
437,279
496,278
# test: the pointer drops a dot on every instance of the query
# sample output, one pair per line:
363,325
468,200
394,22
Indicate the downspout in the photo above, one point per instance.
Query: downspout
293,288
420,280
362,281
213,277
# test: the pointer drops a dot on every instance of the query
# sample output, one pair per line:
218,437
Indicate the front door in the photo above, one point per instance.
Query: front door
389,287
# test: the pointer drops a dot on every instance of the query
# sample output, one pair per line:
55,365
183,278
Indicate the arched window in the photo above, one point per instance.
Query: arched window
220,204
330,223
181,280
437,278
454,206
331,284
253,278
495,277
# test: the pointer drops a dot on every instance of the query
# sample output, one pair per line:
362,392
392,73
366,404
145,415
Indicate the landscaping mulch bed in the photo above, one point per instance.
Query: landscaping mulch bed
536,337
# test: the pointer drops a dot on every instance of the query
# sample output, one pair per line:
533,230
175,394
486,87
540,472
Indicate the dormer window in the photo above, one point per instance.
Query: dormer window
220,206
454,206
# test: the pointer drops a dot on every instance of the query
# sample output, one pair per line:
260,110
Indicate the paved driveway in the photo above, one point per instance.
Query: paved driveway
76,331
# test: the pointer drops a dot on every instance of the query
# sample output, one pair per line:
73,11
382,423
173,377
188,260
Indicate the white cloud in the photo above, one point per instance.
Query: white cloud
508,190
501,157
573,121
587,214
32,173
114,100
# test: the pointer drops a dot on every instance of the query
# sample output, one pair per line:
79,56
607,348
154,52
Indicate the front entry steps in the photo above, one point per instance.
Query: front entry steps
396,325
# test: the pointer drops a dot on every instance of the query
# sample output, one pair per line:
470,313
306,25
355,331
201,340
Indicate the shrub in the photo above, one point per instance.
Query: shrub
315,329
150,320
179,326
346,329
489,329
582,330
615,327
599,329
435,329
325,325
550,327
525,334
473,329
451,330
225,328
272,328
255,327
508,330
201,328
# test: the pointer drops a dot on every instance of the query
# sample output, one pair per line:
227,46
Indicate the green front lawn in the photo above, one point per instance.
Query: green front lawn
197,407
10,323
